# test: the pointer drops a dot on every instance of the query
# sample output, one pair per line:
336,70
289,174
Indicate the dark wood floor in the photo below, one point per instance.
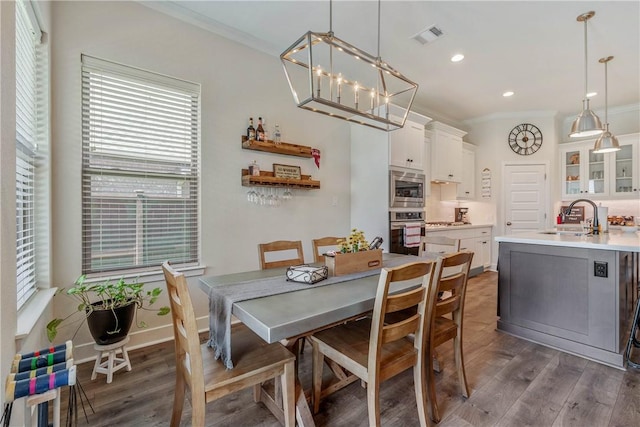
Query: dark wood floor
513,383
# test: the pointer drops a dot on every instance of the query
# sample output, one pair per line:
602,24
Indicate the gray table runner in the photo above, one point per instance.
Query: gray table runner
222,297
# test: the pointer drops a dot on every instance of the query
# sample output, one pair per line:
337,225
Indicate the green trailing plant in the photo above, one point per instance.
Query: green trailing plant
106,296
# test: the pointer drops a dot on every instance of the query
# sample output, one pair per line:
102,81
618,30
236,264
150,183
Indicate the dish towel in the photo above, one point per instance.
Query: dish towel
412,235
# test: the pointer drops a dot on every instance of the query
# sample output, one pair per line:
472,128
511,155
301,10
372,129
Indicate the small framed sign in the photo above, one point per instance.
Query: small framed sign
286,171
576,215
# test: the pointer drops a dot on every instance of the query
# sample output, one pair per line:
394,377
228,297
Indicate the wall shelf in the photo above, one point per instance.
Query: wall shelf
266,179
281,148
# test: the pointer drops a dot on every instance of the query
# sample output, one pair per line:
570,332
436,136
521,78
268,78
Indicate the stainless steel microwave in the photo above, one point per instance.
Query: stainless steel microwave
406,189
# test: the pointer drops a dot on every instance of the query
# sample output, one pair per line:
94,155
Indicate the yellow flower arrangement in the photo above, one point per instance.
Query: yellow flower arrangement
355,242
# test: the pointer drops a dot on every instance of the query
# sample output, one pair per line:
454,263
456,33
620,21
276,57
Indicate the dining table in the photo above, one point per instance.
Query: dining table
301,310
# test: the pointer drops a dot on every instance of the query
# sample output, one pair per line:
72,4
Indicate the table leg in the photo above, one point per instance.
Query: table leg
303,412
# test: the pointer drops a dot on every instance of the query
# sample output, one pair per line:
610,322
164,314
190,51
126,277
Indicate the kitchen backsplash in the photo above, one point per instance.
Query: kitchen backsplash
437,210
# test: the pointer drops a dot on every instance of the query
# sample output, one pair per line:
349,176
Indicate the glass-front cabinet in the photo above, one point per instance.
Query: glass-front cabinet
585,173
626,180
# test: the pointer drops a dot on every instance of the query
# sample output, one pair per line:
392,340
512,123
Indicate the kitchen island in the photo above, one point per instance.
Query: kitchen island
570,291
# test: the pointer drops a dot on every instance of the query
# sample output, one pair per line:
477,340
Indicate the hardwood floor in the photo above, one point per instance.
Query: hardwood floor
513,383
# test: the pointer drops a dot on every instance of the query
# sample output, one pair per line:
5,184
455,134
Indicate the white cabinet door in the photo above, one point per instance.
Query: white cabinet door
466,189
406,146
446,157
471,244
483,246
625,173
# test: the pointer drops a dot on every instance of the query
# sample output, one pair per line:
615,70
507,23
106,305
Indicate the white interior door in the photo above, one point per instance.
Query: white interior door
525,197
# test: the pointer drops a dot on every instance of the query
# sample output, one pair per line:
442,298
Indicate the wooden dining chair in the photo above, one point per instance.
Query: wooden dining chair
323,242
444,314
284,247
438,244
208,379
373,351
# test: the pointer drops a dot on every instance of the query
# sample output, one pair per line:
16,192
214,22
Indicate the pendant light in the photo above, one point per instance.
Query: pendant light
587,123
606,142
330,76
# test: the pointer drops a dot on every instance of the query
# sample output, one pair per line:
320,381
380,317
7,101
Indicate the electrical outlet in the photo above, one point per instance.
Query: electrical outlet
600,269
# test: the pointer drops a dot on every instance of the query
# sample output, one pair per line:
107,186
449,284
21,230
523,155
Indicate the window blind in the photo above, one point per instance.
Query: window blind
140,168
27,39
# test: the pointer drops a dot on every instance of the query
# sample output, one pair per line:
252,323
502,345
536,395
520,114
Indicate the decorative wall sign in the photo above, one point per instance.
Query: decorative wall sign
286,171
486,183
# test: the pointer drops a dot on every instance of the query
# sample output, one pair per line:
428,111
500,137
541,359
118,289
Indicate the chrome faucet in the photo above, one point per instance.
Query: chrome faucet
596,223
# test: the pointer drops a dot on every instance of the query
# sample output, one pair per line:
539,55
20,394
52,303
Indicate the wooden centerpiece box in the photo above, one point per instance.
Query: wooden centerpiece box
353,262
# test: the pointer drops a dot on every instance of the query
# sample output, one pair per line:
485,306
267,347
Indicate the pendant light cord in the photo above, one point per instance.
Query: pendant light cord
606,94
331,16
585,60
379,1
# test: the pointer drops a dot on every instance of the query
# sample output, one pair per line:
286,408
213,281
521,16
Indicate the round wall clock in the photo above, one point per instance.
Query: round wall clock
525,139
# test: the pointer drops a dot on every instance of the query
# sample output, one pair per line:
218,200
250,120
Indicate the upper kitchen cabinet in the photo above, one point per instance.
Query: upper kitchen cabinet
466,189
406,146
583,171
446,152
601,175
625,168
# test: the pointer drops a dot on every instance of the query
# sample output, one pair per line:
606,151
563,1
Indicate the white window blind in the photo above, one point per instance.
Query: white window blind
27,39
140,168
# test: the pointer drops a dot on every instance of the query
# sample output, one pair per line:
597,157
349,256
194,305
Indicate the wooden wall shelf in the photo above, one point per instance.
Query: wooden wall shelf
281,148
266,179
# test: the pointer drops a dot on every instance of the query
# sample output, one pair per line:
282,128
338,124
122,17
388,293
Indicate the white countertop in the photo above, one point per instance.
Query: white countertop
457,227
614,240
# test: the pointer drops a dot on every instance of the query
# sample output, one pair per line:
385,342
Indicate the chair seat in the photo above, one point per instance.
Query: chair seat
348,345
251,356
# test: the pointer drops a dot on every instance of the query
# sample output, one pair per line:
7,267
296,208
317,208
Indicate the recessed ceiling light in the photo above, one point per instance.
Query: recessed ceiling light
591,94
508,94
457,57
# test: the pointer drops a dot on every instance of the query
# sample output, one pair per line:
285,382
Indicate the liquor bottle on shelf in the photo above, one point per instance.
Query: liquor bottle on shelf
277,136
254,168
251,131
260,130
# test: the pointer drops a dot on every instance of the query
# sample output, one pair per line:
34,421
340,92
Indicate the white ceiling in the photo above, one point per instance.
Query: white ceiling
534,48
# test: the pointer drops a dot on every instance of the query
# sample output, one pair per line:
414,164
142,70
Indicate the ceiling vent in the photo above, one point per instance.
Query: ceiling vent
429,34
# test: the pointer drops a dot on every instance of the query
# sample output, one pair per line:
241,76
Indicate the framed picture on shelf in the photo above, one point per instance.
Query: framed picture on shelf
286,171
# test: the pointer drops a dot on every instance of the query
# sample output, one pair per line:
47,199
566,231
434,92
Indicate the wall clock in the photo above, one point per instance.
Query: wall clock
525,139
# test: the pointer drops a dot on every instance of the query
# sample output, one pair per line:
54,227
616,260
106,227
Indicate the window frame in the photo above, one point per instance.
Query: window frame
112,150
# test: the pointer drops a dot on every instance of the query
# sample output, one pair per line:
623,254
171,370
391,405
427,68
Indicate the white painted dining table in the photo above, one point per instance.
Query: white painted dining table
293,314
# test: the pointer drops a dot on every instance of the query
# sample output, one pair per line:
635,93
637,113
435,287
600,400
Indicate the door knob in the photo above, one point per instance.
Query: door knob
509,223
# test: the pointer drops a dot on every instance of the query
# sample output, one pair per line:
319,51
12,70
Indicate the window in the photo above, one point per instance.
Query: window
140,168
28,120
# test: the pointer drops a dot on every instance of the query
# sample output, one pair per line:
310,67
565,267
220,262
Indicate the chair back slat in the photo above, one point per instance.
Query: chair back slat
405,300
394,332
323,242
280,246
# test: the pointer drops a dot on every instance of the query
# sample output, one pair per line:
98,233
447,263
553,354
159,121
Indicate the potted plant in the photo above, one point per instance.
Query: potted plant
109,308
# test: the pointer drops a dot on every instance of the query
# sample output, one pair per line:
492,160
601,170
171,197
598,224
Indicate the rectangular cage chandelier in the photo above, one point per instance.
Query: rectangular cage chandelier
330,76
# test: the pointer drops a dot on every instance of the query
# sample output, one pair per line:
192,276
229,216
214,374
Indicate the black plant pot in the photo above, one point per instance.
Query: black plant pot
111,326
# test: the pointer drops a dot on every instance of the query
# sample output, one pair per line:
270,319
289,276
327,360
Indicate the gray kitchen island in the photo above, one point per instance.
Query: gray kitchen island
570,291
